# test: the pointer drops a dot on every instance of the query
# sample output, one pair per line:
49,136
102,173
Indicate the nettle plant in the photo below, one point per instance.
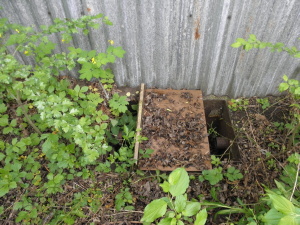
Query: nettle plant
50,125
175,208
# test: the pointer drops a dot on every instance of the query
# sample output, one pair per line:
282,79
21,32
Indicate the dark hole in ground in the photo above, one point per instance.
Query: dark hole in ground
220,130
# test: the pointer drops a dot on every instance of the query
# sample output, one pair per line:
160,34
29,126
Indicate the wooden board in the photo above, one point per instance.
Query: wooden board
174,122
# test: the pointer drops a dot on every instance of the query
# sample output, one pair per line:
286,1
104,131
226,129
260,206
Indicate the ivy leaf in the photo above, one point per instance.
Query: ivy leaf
155,209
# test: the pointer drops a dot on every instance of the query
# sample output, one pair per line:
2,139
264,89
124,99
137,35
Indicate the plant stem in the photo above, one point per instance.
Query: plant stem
18,99
105,92
292,138
296,181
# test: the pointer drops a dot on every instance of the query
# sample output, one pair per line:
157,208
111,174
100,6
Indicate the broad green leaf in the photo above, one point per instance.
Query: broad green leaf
155,209
50,176
236,45
84,89
285,78
293,82
179,182
283,87
191,208
297,55
3,190
165,186
253,37
3,108
165,221
281,204
4,120
248,46
201,217
262,45
114,122
241,40
272,217
297,91
179,222
290,220
2,156
119,52
180,203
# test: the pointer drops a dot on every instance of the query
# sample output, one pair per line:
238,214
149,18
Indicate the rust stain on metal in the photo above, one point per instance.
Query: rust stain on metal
197,33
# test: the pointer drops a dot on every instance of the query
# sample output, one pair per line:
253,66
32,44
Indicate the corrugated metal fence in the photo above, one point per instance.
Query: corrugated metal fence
183,43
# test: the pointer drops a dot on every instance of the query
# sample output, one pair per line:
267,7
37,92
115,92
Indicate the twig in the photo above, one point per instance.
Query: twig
296,181
292,138
18,99
251,129
48,218
105,92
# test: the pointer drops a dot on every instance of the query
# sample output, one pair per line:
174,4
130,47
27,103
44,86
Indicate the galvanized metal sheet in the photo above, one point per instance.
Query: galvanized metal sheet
181,43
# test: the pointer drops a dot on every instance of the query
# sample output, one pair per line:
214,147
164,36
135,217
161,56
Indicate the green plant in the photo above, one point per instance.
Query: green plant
215,160
123,198
238,104
214,176
233,174
53,130
264,102
252,42
293,88
180,209
279,206
160,177
212,131
282,211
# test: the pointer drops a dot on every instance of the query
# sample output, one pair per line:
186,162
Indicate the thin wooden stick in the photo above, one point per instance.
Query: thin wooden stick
139,123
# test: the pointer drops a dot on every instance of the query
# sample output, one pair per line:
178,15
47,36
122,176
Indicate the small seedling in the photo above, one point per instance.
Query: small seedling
238,104
122,200
264,102
175,208
233,174
214,176
215,160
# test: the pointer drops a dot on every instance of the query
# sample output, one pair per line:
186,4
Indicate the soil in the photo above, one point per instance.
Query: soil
174,123
255,133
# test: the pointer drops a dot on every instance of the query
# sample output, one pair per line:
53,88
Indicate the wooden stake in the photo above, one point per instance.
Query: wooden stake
139,123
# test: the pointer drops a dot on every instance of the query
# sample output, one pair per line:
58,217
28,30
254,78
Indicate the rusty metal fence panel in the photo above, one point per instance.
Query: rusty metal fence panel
182,43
